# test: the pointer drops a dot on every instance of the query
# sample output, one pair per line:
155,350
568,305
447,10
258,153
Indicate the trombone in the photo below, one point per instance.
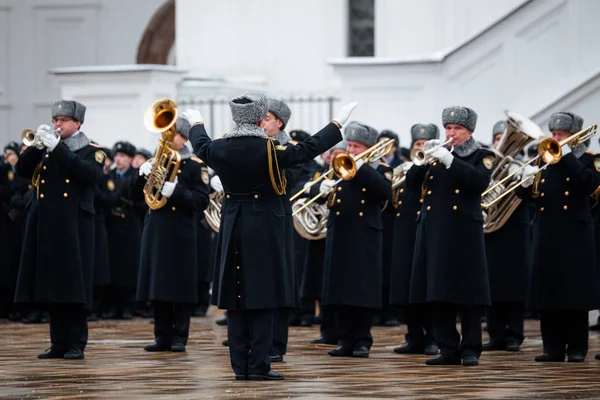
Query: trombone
550,152
421,157
344,166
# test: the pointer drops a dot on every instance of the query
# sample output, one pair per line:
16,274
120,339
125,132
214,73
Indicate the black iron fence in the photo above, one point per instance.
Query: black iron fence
309,113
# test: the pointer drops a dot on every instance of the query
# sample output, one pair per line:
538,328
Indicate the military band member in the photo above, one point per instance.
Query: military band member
564,283
141,156
252,279
420,338
58,253
449,267
509,253
124,227
387,315
353,251
274,124
169,259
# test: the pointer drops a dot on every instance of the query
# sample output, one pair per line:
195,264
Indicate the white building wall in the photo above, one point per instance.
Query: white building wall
38,35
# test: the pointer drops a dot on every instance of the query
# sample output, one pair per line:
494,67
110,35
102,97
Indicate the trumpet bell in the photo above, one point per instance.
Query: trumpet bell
344,166
161,116
28,137
549,150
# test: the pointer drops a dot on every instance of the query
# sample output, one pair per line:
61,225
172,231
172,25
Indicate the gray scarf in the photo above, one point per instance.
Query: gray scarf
77,142
247,130
467,148
185,153
282,137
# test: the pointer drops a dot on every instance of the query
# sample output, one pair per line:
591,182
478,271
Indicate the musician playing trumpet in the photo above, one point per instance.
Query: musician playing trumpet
449,268
419,323
564,284
353,278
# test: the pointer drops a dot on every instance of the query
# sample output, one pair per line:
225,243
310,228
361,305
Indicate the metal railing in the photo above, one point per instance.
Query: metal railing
310,113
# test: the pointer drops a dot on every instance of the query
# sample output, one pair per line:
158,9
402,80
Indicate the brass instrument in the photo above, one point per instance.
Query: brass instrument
161,117
30,138
311,223
344,166
212,213
422,157
499,200
549,151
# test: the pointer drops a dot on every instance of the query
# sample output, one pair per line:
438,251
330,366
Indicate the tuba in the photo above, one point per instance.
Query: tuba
161,117
500,199
311,221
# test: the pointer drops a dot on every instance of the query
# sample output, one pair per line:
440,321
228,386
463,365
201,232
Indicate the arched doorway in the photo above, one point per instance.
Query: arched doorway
159,36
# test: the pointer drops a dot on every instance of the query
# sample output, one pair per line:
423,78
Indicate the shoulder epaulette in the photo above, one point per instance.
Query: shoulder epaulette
590,152
197,159
95,145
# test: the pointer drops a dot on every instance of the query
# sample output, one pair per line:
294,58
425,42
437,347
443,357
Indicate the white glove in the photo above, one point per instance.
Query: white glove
430,144
169,188
215,183
344,113
193,116
326,186
41,130
528,174
146,167
566,149
359,163
443,155
513,168
49,140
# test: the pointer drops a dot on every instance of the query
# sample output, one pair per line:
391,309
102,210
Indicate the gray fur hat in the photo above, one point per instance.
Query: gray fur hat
499,127
426,132
565,121
68,108
182,126
280,110
463,116
359,132
248,108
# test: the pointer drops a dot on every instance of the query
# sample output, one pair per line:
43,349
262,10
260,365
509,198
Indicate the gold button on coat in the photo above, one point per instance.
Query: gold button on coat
454,208
65,195
360,214
173,208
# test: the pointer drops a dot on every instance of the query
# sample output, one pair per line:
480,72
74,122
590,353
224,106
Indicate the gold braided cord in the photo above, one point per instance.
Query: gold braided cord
279,184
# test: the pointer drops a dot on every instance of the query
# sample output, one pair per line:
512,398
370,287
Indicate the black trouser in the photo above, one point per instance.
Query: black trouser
505,322
564,330
280,331
446,335
308,308
68,326
328,323
353,325
250,336
171,322
419,324
122,300
203,295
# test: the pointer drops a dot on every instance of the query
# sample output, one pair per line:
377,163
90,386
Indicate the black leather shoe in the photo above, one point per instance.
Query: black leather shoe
340,351
361,352
225,342
52,352
74,354
595,327
221,322
323,340
597,356
494,345
575,357
241,377
548,358
409,348
431,349
178,347
513,346
441,360
391,322
470,361
269,376
276,357
199,312
92,317
306,322
157,347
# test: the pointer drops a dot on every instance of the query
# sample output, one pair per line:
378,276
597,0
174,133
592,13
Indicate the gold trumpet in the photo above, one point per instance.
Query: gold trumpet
30,138
422,157
344,166
550,152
